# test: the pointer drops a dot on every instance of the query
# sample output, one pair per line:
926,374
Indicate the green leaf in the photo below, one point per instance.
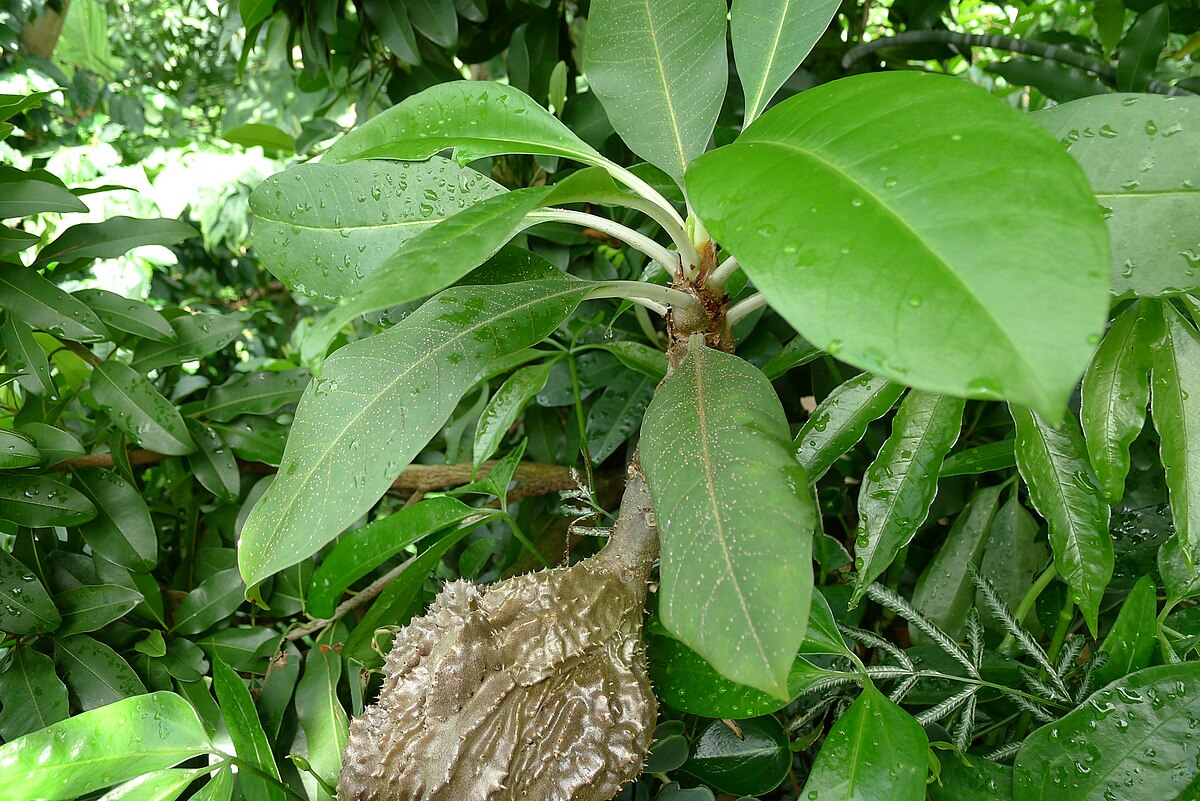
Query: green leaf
1116,389
436,19
362,550
131,316
13,241
1130,642
945,592
159,785
799,351
1064,492
379,401
660,71
1136,151
321,715
980,459
26,356
1059,82
54,444
636,356
1141,48
196,336
717,460
957,305
12,105
256,439
255,393
841,420
38,502
1138,731
122,531
505,407
255,11
219,787
17,451
114,237
972,778
1011,559
246,732
213,463
322,228
25,606
617,413
431,261
395,29
94,606
216,598
36,301
755,762
1179,578
901,483
34,696
257,134
1175,401
874,751
102,747
95,673
278,685
1110,23
138,409
476,118
770,40
24,198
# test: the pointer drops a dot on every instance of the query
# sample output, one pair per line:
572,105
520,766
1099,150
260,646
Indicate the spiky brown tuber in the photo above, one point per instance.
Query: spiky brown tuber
531,688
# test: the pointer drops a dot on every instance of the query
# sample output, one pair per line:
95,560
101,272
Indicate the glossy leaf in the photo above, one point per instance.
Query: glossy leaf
25,606
395,29
213,600
1064,492
196,335
980,459
273,140
14,241
138,409
901,483
219,787
1136,151
1110,23
660,71
160,785
1179,579
102,747
23,198
94,606
1011,559
322,228
957,305
36,301
636,356
841,421
1059,82
1139,732
34,696
770,40
1141,48
1130,642
113,237
717,460
755,762
95,673
379,401
25,356
37,501
476,118
213,463
875,750
54,444
617,413
17,451
321,715
246,732
122,531
505,407
1175,399
263,392
256,439
131,316
970,778
437,21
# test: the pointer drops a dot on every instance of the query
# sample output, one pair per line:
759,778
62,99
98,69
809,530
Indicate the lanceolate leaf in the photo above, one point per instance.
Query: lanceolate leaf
1063,490
196,335
476,118
1176,406
900,484
770,39
1138,732
957,305
131,316
660,70
841,421
138,409
213,463
25,607
96,674
25,356
34,696
122,531
34,300
93,606
379,401
322,228
715,450
22,198
1130,641
255,393
17,451
505,406
213,600
111,238
1141,47
617,413
246,731
321,715
1116,389
874,751
38,501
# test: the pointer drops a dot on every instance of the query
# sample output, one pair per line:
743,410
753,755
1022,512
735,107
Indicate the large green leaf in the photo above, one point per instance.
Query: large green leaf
322,228
33,299
1064,491
1138,152
836,200
38,501
874,751
1141,47
138,409
1011,559
476,118
770,39
34,696
96,674
379,401
122,531
111,238
1136,738
1176,404
660,70
102,747
246,732
972,778
841,421
1116,389
901,483
718,461
25,606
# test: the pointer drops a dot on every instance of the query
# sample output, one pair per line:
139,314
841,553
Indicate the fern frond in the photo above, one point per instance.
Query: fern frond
975,637
903,689
1004,752
890,600
1070,653
1099,659
941,710
966,725
872,640
1000,610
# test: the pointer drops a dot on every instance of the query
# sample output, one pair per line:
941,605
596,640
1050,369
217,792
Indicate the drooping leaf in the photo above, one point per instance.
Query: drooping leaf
770,40
505,407
102,747
138,409
254,12
395,29
617,413
437,21
119,313
379,401
325,724
263,392
213,600
25,356
900,484
34,696
122,530
94,606
38,501
39,303
1175,399
113,237
1063,490
213,463
1141,47
1011,559
272,139
246,732
875,750
55,444
17,451
1059,82
322,228
1110,23
12,105
660,71
25,606
1136,151
1179,579
957,305
1130,642
1137,732
841,421
14,241
95,673
196,336
755,762
636,356
717,460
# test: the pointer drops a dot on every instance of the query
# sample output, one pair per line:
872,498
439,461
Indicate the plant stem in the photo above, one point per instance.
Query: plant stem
1065,616
743,308
637,241
724,270
676,227
1022,610
582,423
652,296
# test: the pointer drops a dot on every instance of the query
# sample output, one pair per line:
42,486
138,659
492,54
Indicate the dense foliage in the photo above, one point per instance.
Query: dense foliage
894,305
